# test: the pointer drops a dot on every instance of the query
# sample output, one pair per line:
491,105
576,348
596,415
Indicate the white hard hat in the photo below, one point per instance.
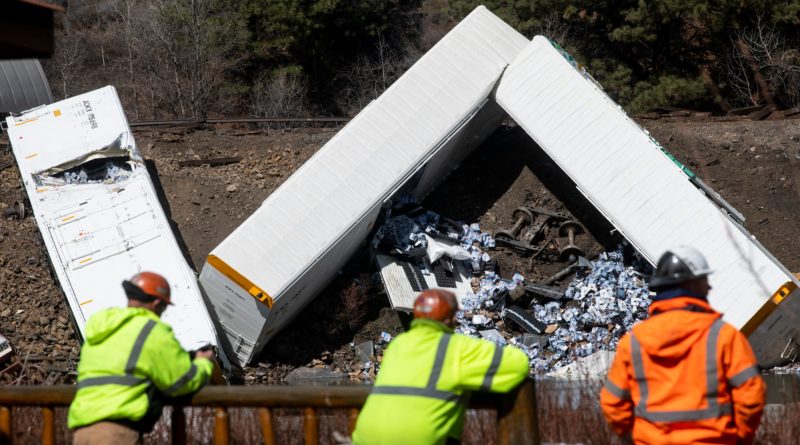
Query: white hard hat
679,265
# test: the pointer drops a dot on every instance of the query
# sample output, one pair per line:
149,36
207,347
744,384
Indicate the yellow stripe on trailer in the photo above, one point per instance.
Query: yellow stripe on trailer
240,280
25,121
768,307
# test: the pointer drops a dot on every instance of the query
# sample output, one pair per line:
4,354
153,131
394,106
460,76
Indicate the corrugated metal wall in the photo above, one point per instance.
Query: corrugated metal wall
23,85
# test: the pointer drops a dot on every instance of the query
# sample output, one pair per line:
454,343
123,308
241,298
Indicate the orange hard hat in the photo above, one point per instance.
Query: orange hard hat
435,304
150,284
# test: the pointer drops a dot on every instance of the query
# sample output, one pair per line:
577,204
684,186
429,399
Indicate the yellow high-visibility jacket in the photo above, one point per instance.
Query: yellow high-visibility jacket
420,393
129,359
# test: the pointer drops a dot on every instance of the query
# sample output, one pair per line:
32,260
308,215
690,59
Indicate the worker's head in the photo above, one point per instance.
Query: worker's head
683,268
148,290
438,305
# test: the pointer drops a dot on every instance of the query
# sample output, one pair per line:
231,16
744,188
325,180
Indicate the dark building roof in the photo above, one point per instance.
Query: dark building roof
26,29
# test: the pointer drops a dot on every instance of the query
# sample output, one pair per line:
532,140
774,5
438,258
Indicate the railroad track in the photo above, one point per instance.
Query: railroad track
285,120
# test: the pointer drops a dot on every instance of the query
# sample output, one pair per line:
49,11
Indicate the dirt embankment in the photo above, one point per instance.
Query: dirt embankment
753,165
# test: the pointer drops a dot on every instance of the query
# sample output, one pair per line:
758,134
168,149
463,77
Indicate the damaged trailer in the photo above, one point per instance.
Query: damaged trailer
403,143
654,201
98,211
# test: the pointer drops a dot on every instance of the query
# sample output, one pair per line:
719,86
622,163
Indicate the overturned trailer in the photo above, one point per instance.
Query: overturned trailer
405,141
653,200
98,210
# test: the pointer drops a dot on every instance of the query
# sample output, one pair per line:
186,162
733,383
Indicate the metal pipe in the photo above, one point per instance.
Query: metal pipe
5,424
221,426
516,411
223,396
267,432
48,426
311,426
229,396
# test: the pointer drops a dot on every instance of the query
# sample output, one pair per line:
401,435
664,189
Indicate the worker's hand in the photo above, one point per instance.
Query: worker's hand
205,353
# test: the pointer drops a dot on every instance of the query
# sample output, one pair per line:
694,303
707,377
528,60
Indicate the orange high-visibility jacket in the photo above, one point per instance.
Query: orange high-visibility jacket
684,376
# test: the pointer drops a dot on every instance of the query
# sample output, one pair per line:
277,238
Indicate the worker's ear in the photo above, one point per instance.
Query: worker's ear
158,306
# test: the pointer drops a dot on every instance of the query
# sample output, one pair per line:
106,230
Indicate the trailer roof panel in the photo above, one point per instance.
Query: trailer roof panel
385,142
623,172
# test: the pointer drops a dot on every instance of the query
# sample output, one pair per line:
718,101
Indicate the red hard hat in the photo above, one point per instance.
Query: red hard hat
151,284
435,304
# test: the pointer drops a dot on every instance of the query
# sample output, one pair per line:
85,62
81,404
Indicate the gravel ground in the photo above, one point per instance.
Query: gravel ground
753,165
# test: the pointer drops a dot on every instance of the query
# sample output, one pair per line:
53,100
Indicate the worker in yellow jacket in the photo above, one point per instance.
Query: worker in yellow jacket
420,394
129,361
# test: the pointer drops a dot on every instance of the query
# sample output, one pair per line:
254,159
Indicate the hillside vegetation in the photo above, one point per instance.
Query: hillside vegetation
277,58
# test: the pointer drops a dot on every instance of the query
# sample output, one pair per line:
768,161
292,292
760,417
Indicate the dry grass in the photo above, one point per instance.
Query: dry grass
352,308
569,412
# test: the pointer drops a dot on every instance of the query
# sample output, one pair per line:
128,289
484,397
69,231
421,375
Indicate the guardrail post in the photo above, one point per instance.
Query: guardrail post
5,426
178,425
48,426
311,426
517,421
221,426
266,426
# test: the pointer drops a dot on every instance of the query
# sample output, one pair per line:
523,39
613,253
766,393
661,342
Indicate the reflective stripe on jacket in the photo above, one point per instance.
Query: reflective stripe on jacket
420,394
684,376
128,354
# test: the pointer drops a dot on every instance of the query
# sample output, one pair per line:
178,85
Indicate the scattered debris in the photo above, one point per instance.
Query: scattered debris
314,373
15,211
494,336
524,320
595,365
537,239
95,171
531,340
211,162
6,351
580,263
600,304
365,351
761,114
419,250
571,251
745,110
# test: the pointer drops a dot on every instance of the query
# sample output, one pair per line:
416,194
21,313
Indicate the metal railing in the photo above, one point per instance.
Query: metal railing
516,411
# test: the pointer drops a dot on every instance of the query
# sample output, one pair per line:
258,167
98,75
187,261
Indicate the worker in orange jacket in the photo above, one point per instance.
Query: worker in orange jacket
683,375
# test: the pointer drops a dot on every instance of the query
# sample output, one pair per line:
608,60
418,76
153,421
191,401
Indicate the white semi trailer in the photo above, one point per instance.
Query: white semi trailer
418,130
98,210
653,200
272,265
